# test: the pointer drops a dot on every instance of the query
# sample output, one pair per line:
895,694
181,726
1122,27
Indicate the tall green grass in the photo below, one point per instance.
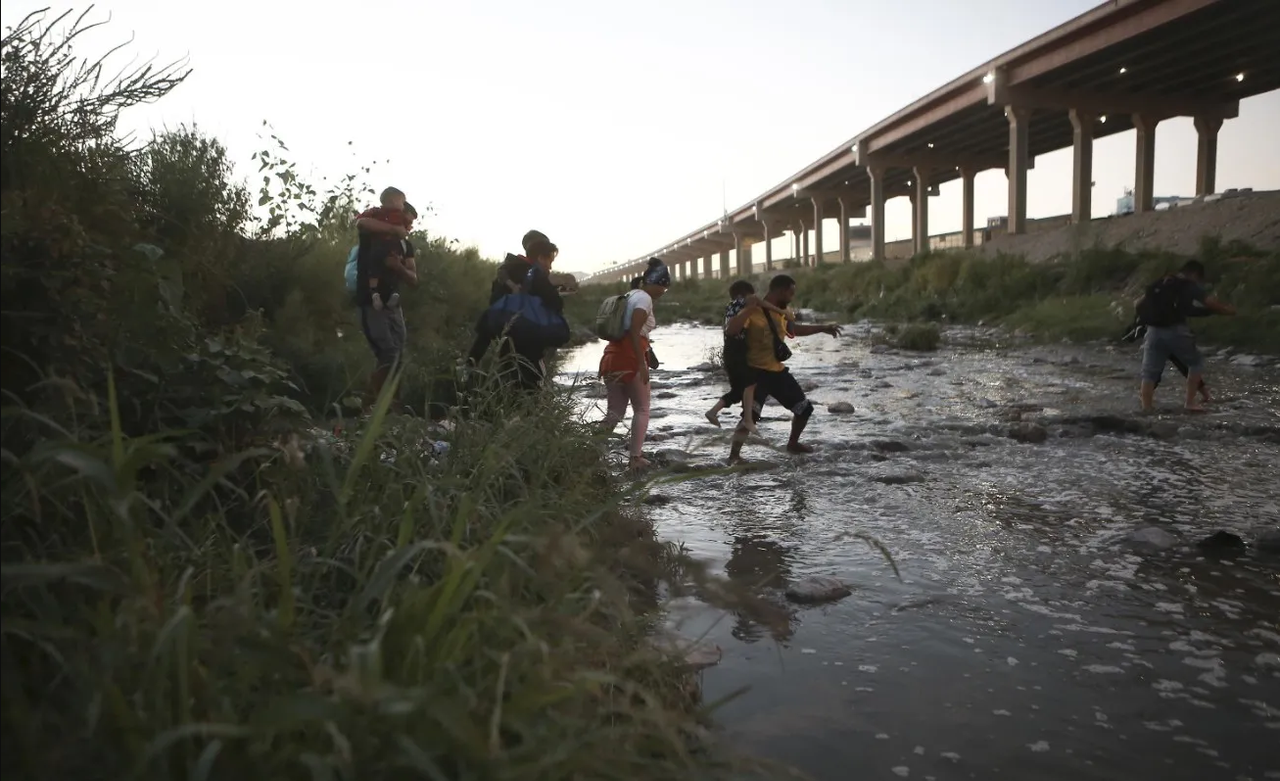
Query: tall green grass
198,581
1088,295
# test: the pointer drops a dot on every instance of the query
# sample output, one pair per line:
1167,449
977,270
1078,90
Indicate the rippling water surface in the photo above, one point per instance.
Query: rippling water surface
1027,638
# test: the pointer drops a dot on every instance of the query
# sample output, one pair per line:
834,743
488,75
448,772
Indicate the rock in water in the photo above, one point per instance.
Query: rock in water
703,367
840,408
1268,541
1152,537
890,446
1249,360
1032,433
898,477
817,589
1222,540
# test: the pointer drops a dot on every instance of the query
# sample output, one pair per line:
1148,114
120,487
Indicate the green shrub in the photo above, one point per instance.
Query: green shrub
921,337
197,581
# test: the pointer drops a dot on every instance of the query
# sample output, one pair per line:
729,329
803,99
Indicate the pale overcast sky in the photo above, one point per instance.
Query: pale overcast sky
615,128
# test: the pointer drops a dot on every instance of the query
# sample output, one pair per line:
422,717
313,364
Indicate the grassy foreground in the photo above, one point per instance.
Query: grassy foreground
198,583
1085,297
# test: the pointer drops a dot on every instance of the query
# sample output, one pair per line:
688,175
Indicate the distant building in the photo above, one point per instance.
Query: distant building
1124,204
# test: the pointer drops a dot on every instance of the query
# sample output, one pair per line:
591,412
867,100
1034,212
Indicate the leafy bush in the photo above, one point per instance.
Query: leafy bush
922,337
199,583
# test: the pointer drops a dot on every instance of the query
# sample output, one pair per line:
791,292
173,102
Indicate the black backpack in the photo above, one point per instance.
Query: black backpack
1161,305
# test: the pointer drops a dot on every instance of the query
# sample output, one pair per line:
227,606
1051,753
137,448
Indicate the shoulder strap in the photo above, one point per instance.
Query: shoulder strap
773,327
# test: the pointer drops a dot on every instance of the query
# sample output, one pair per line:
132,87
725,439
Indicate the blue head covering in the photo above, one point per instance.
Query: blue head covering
657,274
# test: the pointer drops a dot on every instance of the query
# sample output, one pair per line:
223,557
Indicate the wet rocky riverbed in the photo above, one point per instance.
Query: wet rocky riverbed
1056,617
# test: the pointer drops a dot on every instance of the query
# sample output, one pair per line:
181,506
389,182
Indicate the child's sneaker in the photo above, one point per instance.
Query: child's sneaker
394,301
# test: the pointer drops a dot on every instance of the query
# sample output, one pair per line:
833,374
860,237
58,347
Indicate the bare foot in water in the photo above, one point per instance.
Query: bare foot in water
799,447
639,464
1196,410
713,418
1205,398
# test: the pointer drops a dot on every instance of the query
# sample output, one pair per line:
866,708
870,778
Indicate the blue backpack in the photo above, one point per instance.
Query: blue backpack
526,320
351,269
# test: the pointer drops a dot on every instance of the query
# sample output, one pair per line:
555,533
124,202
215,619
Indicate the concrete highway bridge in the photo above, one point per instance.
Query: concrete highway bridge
1125,65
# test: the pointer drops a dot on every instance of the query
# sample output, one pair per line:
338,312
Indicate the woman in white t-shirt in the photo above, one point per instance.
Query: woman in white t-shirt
624,365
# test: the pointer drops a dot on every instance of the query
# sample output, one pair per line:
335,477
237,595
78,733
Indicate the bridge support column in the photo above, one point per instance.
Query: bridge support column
1082,123
843,228
768,247
1207,153
966,206
706,267
742,253
921,231
1145,164
724,264
795,242
1019,123
817,231
804,244
876,173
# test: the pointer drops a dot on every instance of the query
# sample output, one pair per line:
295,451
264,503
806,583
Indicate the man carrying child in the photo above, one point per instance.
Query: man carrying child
384,260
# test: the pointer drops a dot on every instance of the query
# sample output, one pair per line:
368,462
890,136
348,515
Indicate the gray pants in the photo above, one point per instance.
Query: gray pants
1161,344
384,330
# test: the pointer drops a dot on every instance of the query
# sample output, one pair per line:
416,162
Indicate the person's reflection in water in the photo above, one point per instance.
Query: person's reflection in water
757,564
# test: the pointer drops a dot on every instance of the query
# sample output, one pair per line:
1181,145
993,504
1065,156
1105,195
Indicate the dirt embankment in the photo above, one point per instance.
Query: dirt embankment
1252,218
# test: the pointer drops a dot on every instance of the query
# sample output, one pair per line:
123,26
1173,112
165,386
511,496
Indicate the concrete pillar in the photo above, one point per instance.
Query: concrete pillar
1082,166
876,174
1144,174
706,267
1019,123
795,241
966,206
922,174
804,245
1207,153
843,228
691,268
817,230
768,247
742,251
724,264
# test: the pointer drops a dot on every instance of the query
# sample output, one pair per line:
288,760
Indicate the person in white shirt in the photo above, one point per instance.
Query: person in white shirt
625,366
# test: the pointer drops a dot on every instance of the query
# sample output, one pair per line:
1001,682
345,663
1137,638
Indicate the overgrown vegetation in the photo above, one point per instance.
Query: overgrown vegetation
197,582
1088,296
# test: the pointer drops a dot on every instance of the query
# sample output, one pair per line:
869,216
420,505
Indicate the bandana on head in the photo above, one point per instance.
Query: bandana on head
657,274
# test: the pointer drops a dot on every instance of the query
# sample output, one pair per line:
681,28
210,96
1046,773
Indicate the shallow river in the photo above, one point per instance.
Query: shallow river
1029,637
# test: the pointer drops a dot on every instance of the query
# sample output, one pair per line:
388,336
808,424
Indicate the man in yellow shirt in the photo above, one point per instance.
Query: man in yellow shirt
766,333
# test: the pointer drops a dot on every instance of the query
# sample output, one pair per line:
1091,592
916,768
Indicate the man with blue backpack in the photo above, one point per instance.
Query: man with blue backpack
525,312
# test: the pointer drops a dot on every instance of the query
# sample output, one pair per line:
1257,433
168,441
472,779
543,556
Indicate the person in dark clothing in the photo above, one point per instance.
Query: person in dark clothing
523,364
1164,310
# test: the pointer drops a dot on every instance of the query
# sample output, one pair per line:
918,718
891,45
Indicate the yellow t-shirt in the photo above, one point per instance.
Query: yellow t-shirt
760,340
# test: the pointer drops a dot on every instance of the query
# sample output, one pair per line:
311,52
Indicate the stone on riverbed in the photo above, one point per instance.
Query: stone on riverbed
1032,433
1153,537
1222,540
1268,541
898,477
840,408
890,446
817,589
703,367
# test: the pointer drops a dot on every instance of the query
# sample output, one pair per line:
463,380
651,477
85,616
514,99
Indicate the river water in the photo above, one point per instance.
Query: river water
1028,638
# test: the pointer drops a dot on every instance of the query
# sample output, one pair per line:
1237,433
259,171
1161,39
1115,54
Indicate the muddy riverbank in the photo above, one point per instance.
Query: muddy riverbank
1055,617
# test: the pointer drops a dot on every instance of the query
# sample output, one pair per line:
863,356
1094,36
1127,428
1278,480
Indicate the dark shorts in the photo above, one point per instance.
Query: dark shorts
384,330
782,388
1162,345
741,377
